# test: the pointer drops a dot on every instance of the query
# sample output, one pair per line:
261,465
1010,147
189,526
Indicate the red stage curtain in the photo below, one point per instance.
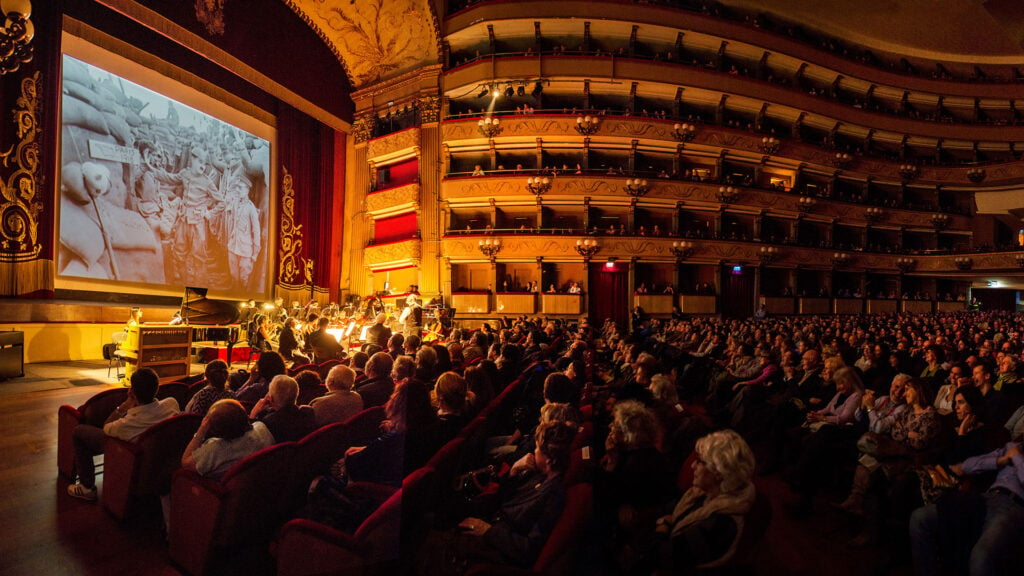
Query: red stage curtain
395,228
608,297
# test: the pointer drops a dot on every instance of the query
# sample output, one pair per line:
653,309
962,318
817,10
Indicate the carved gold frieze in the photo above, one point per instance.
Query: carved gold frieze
430,109
362,127
393,144
393,198
375,39
20,207
290,245
393,254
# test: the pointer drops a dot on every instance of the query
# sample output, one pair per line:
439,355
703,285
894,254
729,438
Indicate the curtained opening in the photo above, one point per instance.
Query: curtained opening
395,229
398,174
738,291
995,298
608,297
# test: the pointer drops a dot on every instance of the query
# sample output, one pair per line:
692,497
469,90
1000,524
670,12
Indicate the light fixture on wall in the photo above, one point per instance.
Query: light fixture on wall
874,214
485,89
805,203
906,264
587,125
489,126
489,247
963,263
768,254
587,247
16,33
610,264
683,250
538,185
839,259
684,132
770,145
727,194
908,172
842,160
636,187
976,175
940,221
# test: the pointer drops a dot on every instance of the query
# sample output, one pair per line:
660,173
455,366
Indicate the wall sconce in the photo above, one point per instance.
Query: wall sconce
489,127
965,263
16,33
587,125
839,259
940,221
610,264
976,175
538,185
874,214
905,264
768,254
805,203
587,247
684,132
770,145
842,160
636,187
727,194
683,250
908,172
490,248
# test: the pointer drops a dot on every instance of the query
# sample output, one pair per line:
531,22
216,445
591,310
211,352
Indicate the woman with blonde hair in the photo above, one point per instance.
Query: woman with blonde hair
706,524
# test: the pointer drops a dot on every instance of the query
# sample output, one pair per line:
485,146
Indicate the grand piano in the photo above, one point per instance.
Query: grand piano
167,348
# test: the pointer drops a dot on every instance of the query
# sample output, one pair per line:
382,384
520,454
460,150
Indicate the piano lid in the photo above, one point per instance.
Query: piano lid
196,308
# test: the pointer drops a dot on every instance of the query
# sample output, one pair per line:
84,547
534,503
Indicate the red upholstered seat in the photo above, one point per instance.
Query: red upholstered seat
365,426
195,387
381,542
314,455
296,369
177,390
559,552
324,367
309,392
145,466
245,506
94,412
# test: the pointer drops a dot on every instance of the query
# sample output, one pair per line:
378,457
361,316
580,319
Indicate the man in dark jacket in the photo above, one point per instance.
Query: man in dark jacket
379,334
378,386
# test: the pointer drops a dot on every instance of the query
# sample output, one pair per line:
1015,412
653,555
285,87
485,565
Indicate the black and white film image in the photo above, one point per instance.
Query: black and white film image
156,192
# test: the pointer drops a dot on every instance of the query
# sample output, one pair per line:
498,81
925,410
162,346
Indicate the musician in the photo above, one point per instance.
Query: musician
374,307
439,327
379,334
280,312
412,315
324,346
289,344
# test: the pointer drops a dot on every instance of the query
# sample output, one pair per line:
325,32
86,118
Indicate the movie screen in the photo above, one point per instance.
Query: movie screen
157,193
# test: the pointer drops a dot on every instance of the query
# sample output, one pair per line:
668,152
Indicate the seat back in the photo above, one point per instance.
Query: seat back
324,367
314,456
177,390
296,369
161,447
144,466
365,426
754,529
254,507
309,392
558,554
97,409
94,412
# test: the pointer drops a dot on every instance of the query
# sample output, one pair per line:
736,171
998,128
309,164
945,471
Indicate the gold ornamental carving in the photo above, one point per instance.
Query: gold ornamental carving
290,245
16,34
395,253
393,198
430,109
374,39
20,208
362,127
393,143
210,14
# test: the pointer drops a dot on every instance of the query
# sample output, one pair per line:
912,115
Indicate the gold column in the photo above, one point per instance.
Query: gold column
355,279
433,217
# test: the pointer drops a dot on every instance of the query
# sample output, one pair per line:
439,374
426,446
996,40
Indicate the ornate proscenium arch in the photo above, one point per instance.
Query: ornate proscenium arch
375,39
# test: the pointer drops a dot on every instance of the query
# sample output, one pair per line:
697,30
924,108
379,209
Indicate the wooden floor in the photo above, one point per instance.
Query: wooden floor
44,532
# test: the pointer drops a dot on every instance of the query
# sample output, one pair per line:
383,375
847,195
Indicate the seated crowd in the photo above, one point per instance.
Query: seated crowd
916,419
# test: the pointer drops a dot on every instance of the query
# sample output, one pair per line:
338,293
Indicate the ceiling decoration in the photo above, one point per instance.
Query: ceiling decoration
374,39
210,14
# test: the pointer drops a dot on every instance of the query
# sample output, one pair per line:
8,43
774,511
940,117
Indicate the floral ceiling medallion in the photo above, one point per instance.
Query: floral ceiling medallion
210,13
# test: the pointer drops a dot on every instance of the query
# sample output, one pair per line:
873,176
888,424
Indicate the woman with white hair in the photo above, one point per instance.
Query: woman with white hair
707,522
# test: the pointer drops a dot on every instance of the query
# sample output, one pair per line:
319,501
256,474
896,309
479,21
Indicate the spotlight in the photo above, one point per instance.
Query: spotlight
483,91
509,92
496,92
521,90
538,88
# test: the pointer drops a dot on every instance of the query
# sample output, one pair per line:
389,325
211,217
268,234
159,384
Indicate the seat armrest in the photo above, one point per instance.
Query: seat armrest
67,418
120,471
305,548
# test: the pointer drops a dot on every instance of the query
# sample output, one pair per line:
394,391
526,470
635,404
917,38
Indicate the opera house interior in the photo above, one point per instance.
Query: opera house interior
566,287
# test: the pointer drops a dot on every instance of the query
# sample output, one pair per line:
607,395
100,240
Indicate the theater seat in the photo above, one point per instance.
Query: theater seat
309,392
245,507
324,367
94,412
365,426
144,466
558,556
296,369
314,455
381,545
180,391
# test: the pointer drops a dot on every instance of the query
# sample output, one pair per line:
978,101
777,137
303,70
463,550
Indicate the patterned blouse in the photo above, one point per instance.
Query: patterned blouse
926,424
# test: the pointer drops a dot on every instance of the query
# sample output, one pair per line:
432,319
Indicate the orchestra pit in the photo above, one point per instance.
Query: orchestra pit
474,287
